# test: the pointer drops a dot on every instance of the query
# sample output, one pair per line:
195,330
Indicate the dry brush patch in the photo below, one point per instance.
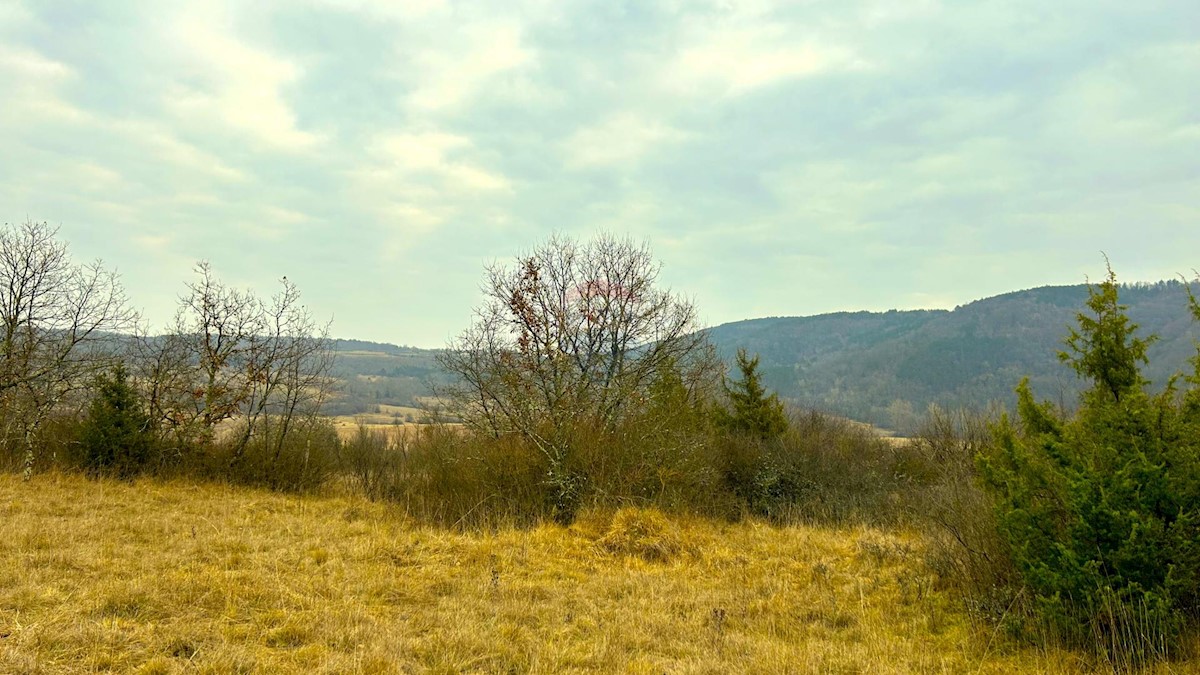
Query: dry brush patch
161,577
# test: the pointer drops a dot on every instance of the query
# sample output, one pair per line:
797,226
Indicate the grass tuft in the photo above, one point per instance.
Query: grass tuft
641,533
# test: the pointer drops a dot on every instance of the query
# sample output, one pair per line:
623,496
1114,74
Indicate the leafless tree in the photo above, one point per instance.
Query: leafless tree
232,355
59,320
289,370
572,334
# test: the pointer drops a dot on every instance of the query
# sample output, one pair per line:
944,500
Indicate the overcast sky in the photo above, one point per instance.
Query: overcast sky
780,158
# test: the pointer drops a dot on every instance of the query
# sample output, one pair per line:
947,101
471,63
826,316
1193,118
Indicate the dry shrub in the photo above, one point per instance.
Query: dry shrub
647,461
641,533
965,548
373,459
450,476
302,459
823,469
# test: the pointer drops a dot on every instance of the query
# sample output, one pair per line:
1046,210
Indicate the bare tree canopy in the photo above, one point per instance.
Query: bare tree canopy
572,333
58,321
232,354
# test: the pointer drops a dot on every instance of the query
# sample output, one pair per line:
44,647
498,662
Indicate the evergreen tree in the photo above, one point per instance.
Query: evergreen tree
117,438
1103,348
751,410
1101,511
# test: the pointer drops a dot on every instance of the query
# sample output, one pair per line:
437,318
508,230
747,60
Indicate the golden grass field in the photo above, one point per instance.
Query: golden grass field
392,420
157,577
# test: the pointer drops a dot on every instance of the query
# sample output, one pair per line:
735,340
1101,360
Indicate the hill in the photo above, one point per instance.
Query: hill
376,374
886,368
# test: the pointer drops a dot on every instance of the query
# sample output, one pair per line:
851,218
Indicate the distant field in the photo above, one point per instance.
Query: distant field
170,577
391,419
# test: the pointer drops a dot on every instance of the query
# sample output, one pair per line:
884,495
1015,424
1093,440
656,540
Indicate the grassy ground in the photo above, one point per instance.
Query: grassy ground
172,577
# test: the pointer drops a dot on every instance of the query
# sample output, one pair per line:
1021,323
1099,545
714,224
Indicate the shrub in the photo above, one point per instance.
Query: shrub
825,469
452,476
298,458
661,454
117,438
1100,511
964,545
374,459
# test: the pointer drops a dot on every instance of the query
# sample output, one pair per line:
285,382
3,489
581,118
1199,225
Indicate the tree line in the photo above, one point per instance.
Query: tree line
82,379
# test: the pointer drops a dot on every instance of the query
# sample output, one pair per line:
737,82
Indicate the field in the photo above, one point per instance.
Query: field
160,577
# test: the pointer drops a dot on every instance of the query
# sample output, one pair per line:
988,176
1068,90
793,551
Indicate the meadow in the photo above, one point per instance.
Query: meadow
161,576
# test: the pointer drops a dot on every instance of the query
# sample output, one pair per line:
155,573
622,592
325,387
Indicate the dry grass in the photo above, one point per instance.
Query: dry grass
172,577
347,425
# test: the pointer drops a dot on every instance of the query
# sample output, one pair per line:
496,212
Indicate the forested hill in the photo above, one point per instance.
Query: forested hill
879,367
886,368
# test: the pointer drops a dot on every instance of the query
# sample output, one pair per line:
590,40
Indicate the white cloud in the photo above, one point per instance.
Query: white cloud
434,155
1108,101
465,61
93,177
733,56
164,146
39,108
236,84
415,182
32,86
405,10
286,216
26,63
619,139
876,131
13,16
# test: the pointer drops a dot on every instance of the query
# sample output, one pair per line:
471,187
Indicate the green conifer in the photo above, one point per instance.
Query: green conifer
117,438
751,410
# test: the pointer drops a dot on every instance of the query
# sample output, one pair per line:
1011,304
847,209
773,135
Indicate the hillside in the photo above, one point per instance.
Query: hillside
374,374
885,368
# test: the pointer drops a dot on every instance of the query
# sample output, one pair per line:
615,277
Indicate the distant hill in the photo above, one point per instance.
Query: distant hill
884,368
887,368
375,374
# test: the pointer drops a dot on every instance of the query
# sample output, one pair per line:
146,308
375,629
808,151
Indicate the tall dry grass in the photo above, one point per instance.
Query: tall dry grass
161,577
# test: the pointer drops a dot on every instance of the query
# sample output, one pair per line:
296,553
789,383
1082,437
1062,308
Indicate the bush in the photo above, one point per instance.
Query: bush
117,437
824,469
1101,511
660,455
373,460
300,458
965,548
451,476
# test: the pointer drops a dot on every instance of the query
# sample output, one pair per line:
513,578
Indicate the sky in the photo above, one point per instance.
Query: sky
779,158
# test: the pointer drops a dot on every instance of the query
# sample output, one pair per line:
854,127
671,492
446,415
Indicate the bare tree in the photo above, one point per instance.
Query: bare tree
289,370
232,355
572,334
59,320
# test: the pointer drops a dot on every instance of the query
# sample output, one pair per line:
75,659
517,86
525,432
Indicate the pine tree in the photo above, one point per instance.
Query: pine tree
751,410
1101,510
1103,348
117,438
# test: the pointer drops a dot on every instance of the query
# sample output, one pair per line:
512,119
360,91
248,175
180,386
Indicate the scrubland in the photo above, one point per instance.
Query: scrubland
160,577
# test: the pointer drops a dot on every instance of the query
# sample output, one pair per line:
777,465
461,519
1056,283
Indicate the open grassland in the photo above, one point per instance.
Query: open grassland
393,420
347,426
158,577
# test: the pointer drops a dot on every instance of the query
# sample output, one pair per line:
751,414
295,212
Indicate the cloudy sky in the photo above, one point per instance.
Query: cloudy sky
781,158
